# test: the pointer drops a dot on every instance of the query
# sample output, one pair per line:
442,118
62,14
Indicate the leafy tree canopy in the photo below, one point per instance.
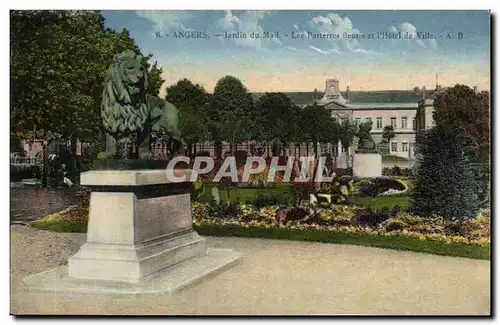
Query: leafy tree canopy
231,111
192,102
462,109
58,64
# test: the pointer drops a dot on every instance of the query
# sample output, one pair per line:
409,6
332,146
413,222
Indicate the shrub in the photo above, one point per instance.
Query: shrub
411,223
224,210
407,172
198,190
267,213
296,214
370,218
22,171
263,201
104,155
376,186
343,172
395,224
444,182
248,212
339,189
397,171
367,187
341,215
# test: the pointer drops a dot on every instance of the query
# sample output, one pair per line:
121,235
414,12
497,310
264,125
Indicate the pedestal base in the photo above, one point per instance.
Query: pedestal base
367,165
164,283
140,238
130,263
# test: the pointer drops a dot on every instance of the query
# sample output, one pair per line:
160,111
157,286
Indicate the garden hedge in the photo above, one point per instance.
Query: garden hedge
23,171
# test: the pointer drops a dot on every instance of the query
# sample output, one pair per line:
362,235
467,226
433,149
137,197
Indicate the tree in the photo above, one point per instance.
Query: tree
387,135
334,139
316,123
192,102
296,131
16,146
468,112
275,118
231,113
444,181
155,80
347,132
58,64
193,128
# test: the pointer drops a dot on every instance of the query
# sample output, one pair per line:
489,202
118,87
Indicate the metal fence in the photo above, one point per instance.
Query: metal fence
18,160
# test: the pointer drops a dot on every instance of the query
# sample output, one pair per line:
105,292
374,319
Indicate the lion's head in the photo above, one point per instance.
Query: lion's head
123,107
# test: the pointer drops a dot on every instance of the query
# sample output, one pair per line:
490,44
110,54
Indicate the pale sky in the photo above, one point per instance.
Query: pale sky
453,44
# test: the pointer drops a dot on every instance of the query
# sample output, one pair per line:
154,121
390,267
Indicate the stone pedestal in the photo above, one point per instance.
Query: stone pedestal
367,164
140,229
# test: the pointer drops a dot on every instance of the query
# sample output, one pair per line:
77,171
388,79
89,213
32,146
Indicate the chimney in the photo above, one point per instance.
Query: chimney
424,94
348,94
332,86
475,89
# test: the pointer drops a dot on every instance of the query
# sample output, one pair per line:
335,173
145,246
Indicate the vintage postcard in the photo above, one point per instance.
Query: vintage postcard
250,162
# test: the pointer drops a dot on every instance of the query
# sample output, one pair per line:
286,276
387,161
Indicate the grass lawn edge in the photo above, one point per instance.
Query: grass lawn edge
312,235
60,225
345,238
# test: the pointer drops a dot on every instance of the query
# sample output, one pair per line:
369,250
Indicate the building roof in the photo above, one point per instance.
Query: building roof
298,98
385,105
361,99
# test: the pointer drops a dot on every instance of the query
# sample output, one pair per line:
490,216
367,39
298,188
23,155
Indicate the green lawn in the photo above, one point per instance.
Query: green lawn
394,159
392,242
282,193
381,202
335,237
60,226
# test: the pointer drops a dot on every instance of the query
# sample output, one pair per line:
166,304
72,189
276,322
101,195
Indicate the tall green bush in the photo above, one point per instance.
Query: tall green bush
444,181
23,171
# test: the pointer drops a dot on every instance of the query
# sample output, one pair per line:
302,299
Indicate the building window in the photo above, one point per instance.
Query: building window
368,119
404,122
414,123
379,122
404,146
358,120
393,122
342,149
394,146
344,120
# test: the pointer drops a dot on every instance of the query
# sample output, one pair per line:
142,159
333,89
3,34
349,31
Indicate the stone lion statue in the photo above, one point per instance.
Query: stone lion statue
128,111
366,142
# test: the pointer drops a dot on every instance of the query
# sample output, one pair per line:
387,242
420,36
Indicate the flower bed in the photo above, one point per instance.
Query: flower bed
343,218
345,224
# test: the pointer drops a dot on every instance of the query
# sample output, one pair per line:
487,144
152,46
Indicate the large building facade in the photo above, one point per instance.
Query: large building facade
400,115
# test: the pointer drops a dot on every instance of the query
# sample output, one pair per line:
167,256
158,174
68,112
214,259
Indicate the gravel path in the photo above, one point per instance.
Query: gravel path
29,204
275,277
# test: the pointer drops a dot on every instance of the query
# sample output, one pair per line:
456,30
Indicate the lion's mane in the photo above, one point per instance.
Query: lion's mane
122,113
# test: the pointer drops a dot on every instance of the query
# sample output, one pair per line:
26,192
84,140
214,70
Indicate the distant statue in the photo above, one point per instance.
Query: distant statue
366,142
128,111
